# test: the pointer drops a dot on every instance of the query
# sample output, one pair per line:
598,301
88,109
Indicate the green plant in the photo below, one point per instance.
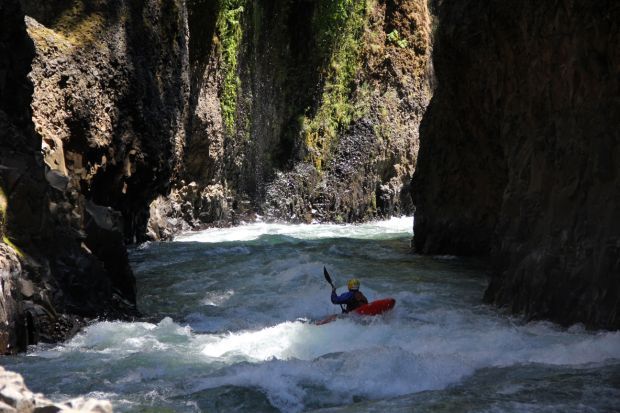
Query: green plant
230,33
3,216
394,38
338,26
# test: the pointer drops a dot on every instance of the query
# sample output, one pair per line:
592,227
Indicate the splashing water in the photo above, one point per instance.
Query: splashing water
230,332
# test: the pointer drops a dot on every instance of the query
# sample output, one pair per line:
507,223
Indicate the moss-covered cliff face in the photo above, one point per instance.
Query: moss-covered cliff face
520,153
302,110
93,134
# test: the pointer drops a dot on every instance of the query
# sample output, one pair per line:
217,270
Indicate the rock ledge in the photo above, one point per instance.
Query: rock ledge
16,398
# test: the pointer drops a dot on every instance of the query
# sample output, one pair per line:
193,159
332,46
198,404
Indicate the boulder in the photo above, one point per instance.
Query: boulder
15,397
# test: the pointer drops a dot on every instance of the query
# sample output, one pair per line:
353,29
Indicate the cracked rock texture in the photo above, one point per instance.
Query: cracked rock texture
520,154
92,127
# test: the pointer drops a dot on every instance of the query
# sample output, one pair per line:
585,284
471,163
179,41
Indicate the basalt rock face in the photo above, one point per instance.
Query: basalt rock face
301,111
22,182
352,148
520,154
111,87
93,134
353,145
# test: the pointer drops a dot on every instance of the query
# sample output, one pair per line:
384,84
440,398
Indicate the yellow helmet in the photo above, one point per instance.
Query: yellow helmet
353,284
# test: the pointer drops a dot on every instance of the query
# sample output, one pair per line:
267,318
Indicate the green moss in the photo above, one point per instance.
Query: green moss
229,32
338,26
14,247
79,24
4,204
362,102
46,39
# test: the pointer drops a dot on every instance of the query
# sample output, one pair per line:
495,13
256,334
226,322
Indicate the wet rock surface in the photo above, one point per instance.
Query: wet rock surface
10,270
520,153
16,398
190,207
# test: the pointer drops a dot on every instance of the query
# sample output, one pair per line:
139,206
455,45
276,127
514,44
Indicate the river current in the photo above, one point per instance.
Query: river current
229,330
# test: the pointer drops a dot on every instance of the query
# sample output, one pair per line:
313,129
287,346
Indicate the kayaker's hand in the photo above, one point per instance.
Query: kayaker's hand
333,289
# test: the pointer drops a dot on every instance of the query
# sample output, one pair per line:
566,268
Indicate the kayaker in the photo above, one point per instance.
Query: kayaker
352,299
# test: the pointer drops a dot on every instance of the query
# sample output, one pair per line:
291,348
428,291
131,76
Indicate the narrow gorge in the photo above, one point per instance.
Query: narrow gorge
127,123
214,112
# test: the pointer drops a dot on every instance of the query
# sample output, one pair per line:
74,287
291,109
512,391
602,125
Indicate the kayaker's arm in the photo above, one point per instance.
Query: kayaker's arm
341,299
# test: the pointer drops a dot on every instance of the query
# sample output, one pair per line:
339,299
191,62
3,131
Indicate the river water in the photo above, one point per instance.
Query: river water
229,330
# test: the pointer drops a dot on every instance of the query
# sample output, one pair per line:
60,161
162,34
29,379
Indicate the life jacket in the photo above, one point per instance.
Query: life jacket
356,301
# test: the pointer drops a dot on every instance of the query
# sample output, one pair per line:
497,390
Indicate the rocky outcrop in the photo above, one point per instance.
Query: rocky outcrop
110,99
16,398
520,153
93,134
23,189
10,317
301,111
189,207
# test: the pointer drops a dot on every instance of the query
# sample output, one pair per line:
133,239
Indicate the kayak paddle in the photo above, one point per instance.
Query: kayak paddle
327,277
329,280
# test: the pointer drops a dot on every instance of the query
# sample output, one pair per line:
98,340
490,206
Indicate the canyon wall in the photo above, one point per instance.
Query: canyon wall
17,155
520,154
300,111
93,119
306,111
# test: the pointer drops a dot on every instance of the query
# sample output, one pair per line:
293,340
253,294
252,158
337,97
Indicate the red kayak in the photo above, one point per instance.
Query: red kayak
373,308
376,307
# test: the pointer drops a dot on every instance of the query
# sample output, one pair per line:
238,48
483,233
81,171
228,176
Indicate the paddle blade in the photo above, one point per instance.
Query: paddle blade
327,277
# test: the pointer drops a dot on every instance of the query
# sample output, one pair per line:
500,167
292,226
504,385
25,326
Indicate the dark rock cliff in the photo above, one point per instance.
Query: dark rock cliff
520,153
301,111
93,134
17,155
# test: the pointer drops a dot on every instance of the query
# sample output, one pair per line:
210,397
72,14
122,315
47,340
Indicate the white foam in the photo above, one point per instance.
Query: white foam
288,357
217,298
249,232
348,357
244,304
124,338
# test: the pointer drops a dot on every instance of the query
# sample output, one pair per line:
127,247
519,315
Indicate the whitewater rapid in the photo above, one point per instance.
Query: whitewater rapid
230,329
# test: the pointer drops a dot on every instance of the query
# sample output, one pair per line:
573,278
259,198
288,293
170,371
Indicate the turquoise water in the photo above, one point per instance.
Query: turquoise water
227,328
